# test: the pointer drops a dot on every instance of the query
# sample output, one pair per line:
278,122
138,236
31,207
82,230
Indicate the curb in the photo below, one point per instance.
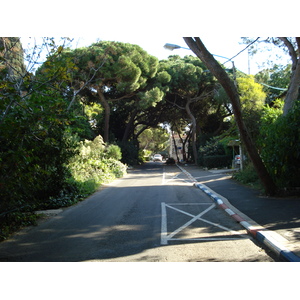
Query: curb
266,237
269,238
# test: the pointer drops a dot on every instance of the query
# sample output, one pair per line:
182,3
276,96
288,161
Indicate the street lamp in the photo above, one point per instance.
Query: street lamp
174,47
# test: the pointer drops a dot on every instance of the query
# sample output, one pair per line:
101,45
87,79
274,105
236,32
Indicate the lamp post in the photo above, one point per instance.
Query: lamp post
174,47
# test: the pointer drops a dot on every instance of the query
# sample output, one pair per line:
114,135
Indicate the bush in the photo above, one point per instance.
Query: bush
130,152
144,155
114,151
280,146
95,164
14,221
217,161
211,154
248,176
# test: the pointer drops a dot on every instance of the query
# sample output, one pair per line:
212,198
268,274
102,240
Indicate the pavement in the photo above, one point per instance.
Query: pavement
273,221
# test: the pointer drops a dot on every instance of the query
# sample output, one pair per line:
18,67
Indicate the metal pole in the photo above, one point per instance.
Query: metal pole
241,157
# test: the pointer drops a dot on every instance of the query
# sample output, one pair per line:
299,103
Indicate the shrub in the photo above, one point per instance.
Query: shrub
95,164
130,152
248,176
280,145
114,151
213,148
217,161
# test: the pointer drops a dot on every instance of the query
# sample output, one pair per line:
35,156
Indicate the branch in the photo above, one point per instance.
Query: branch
142,130
291,49
86,83
175,104
298,44
123,97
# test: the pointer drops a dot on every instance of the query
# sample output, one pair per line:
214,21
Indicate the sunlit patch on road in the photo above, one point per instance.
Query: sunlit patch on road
174,178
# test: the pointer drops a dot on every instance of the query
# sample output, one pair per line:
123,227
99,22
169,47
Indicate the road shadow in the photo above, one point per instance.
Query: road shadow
114,223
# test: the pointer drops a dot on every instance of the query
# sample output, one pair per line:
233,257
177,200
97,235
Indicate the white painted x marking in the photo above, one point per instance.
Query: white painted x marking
165,237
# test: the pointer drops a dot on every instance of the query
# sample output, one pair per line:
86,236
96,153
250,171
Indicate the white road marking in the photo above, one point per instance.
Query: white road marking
205,239
164,181
164,232
190,221
165,237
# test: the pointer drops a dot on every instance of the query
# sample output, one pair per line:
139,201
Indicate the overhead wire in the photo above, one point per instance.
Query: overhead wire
242,50
269,86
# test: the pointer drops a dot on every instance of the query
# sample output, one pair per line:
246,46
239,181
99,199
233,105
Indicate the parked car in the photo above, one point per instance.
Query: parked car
157,157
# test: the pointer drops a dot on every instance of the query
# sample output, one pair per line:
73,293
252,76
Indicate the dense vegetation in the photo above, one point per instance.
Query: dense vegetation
86,114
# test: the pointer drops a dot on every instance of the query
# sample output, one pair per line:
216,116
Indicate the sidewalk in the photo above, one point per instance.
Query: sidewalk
274,222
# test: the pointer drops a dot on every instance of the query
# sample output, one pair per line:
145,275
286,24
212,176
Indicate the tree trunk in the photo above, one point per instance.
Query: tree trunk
129,126
293,90
175,146
200,50
106,106
194,134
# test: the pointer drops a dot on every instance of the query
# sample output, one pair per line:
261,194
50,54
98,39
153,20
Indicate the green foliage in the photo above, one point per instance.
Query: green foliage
130,152
213,154
114,151
96,164
150,98
144,155
188,76
278,76
35,146
248,176
280,145
252,95
213,147
11,58
154,139
217,161
15,220
252,101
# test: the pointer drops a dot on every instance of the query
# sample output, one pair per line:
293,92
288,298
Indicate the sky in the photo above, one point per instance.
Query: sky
154,46
227,46
219,23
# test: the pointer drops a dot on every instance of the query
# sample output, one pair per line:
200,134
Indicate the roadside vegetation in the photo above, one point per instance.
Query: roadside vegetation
82,116
248,176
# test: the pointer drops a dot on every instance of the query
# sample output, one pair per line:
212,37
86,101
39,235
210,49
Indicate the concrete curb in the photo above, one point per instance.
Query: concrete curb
270,239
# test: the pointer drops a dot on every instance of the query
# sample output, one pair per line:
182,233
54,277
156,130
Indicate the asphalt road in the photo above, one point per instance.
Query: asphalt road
152,214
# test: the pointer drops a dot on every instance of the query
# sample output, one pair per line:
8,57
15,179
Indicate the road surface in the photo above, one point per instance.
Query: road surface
152,214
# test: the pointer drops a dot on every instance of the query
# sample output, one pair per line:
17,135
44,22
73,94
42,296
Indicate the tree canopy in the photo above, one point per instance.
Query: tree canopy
64,127
107,72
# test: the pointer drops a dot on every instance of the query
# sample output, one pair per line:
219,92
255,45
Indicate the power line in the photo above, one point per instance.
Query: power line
242,50
273,87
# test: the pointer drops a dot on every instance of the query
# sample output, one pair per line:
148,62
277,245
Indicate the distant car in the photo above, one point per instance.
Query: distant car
157,157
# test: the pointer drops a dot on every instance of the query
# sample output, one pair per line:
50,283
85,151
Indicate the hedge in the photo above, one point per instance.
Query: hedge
217,161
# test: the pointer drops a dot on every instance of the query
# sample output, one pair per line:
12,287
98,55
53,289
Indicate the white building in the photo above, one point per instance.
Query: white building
179,145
